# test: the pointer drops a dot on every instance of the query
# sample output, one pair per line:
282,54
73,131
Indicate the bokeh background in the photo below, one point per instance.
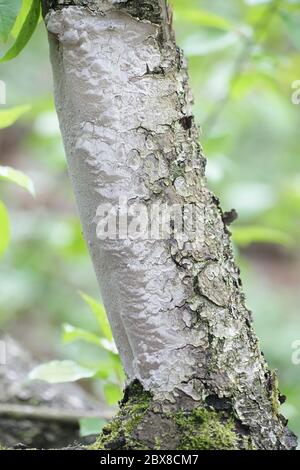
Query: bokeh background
243,57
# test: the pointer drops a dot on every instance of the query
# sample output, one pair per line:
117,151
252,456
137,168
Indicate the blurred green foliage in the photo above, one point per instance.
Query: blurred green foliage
110,370
21,20
244,62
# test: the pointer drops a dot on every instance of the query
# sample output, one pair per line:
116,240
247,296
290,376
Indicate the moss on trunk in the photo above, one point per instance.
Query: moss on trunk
144,424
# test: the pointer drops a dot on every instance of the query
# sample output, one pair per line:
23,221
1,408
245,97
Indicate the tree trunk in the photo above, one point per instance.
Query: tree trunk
196,376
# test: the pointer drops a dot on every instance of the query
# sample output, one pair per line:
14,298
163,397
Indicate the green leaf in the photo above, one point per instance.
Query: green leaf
108,345
89,426
61,372
25,32
71,333
203,18
112,393
4,228
15,176
118,368
103,373
11,115
8,14
23,12
100,314
246,235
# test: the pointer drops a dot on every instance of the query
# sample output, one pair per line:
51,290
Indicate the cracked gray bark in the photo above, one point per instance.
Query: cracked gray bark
176,304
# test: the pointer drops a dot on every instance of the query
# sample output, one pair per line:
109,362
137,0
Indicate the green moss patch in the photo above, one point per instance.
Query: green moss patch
206,430
118,434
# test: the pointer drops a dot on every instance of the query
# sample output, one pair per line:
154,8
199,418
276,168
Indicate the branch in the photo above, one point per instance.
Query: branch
50,414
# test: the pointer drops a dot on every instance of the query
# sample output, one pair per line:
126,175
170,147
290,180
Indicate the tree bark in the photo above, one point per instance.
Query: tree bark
196,376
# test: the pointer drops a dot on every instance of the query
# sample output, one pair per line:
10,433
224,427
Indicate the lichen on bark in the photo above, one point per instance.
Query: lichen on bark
175,304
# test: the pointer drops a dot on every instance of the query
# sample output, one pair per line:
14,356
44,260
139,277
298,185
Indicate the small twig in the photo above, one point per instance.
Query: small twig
50,414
